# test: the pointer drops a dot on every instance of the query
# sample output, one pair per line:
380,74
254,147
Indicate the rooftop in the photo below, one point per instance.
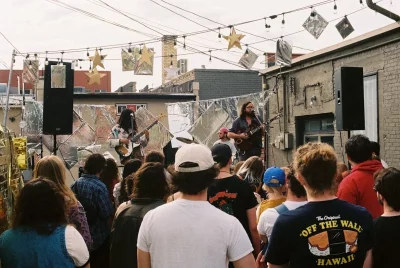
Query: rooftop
130,95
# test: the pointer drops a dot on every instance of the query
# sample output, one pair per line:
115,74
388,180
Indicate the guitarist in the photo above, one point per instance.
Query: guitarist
247,120
123,131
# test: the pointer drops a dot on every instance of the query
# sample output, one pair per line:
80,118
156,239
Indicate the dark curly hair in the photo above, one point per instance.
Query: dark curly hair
192,183
110,174
150,182
40,206
294,185
387,183
155,156
94,164
130,167
358,148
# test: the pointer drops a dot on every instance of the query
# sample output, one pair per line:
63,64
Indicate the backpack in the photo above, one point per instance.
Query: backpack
280,209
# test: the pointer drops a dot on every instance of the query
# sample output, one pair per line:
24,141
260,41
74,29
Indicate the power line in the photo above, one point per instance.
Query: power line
9,42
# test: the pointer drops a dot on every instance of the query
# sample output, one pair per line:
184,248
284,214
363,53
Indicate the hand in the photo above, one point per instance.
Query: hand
147,134
243,136
124,141
260,261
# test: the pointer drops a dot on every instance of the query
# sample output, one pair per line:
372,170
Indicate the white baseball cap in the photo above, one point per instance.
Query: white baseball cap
194,153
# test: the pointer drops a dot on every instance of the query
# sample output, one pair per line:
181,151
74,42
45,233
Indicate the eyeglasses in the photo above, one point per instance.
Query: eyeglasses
250,107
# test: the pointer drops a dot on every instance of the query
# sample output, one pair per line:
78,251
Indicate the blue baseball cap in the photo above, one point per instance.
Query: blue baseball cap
274,177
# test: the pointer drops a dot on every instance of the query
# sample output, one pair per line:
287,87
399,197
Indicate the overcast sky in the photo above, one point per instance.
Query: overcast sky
40,25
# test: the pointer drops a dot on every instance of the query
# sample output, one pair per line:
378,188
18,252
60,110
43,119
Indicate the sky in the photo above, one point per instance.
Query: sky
41,25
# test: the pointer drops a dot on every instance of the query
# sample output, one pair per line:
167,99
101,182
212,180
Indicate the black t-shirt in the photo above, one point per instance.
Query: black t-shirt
386,241
240,125
330,233
233,196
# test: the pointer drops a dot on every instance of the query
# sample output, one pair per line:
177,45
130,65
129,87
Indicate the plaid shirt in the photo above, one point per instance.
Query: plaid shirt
94,197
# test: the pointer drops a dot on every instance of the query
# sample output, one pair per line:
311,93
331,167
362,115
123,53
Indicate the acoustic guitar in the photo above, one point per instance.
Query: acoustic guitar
126,150
247,144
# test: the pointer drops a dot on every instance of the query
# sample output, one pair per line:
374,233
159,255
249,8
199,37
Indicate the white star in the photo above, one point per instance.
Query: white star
172,72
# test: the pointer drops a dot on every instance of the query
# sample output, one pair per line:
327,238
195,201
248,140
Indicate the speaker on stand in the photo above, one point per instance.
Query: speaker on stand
58,100
349,92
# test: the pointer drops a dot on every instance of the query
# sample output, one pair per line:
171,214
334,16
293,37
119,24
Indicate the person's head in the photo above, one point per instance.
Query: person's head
237,167
155,157
252,172
316,166
387,187
131,166
110,172
52,168
150,182
376,150
274,180
194,170
341,168
94,164
293,184
41,206
222,154
247,109
358,149
125,118
223,133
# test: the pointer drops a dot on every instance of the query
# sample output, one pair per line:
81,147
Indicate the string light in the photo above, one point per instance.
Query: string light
313,12
76,63
87,52
184,42
175,43
361,2
335,11
30,64
267,26
62,62
172,64
46,60
140,50
90,65
246,54
219,34
283,20
130,49
80,64
210,60
35,56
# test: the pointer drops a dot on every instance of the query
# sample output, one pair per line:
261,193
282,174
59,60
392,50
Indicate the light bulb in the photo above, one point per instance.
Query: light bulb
46,61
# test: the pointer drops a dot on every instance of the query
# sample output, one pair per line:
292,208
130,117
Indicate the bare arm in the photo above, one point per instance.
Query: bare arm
251,217
144,260
245,262
263,238
233,135
368,259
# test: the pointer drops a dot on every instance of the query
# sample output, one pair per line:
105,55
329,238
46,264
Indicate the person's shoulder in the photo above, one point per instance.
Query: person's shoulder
353,209
268,214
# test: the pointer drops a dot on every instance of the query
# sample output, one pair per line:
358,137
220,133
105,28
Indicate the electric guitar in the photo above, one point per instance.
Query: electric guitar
247,144
126,150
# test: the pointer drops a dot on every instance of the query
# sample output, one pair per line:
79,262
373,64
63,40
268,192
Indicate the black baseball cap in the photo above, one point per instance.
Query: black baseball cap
221,152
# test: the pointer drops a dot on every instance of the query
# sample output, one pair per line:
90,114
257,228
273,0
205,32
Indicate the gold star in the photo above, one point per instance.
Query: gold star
234,39
95,76
147,54
97,59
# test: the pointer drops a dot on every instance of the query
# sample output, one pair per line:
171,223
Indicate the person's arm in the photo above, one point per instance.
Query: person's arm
251,218
245,262
76,247
105,206
368,259
144,260
232,133
348,191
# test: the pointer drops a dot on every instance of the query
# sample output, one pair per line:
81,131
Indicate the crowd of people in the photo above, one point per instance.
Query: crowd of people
204,211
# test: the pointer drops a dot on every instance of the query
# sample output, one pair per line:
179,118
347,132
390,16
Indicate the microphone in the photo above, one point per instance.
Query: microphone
132,115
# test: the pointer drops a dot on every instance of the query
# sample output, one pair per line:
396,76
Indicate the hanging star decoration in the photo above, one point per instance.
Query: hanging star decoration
97,59
234,39
95,77
172,72
146,57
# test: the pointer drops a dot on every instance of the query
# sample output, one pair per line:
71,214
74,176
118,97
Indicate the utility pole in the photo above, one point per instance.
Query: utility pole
5,112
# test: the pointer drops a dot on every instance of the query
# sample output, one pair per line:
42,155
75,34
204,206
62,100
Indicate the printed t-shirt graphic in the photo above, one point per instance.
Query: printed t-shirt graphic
330,233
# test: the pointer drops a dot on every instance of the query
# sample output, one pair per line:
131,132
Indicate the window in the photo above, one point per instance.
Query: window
121,106
27,91
370,108
100,90
315,128
78,89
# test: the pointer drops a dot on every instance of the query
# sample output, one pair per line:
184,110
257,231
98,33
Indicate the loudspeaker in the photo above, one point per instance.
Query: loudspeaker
349,87
58,101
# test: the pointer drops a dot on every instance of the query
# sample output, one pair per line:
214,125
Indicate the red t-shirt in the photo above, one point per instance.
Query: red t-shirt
357,187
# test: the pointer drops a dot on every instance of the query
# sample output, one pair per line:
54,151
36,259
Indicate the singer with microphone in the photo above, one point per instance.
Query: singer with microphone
247,131
122,134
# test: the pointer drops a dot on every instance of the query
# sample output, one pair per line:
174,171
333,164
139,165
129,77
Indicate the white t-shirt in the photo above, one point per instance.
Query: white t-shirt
76,246
192,234
229,143
269,216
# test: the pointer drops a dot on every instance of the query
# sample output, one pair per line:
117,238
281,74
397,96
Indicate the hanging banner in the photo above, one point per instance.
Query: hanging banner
315,24
30,73
248,59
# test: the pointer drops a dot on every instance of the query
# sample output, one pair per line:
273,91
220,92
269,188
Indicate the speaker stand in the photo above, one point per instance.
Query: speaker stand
348,137
54,144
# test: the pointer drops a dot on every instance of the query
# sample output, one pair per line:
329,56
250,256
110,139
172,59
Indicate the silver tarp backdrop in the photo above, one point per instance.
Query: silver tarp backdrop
203,119
91,126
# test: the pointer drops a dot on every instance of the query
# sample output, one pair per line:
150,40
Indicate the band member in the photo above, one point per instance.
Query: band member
223,138
247,120
122,133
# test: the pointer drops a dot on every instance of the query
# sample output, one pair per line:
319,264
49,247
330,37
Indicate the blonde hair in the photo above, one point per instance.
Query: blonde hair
52,168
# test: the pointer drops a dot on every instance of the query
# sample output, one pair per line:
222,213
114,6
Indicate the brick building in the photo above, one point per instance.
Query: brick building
81,81
306,90
213,83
